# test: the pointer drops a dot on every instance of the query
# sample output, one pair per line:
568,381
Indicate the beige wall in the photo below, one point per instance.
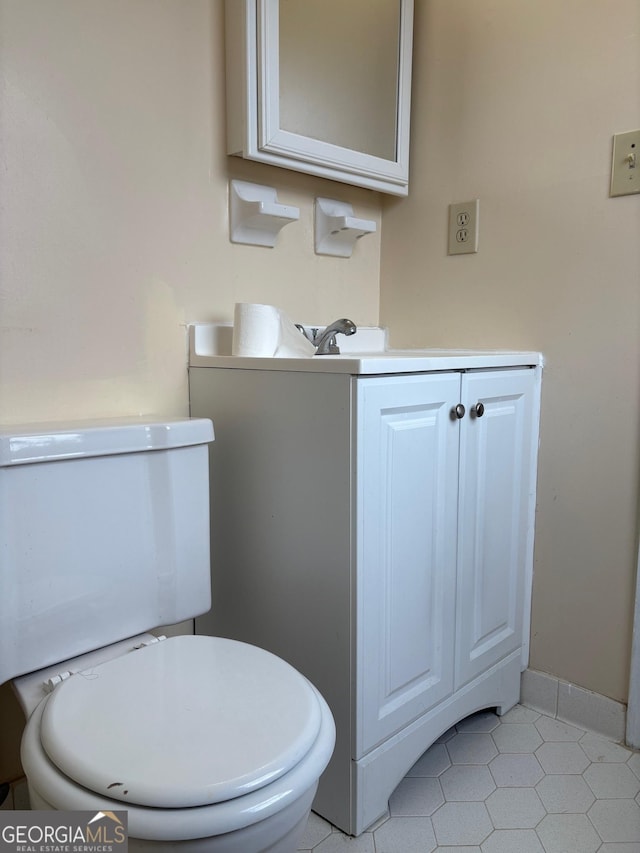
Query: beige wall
515,103
113,217
113,194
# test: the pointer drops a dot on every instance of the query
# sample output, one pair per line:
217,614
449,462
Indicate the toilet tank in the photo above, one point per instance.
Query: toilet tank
104,534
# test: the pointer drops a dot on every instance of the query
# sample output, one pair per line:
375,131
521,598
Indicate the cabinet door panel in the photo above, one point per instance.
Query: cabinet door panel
407,487
495,480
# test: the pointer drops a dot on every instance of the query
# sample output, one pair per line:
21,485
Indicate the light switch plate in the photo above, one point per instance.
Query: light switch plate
625,164
463,227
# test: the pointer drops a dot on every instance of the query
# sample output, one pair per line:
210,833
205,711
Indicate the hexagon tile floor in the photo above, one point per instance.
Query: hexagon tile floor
522,783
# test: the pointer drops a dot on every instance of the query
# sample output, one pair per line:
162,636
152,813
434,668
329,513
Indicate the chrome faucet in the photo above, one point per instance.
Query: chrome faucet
325,341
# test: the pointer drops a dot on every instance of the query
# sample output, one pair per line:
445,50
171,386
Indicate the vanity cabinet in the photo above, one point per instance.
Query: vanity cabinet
443,532
376,531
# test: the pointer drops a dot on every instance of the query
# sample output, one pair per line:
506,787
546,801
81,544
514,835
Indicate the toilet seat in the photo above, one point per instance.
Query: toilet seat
181,723
62,792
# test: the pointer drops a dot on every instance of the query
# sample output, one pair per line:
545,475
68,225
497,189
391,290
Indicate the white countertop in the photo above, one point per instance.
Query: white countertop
207,347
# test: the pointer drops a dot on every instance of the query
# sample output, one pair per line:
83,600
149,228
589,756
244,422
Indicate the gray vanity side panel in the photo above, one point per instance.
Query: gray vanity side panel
282,532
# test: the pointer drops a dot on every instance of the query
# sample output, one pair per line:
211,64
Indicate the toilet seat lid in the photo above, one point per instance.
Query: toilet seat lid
184,722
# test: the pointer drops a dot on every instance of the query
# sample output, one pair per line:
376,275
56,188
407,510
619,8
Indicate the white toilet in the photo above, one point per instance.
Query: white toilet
209,744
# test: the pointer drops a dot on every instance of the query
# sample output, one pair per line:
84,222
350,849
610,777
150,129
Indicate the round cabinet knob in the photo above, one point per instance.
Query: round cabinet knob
458,411
478,410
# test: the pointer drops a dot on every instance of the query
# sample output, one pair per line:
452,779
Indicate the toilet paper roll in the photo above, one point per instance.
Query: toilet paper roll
263,331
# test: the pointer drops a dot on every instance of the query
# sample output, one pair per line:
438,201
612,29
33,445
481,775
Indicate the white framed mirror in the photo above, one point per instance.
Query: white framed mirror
322,86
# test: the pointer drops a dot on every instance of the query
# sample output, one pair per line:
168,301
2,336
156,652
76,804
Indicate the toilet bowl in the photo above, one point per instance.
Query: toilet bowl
209,744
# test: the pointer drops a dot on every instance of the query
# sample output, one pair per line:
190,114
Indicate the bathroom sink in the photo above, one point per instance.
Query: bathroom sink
364,353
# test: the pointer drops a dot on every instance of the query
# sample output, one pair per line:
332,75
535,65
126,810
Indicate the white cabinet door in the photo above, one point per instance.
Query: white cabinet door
407,484
496,483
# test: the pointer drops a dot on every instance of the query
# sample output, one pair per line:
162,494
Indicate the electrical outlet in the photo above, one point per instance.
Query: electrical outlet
625,164
463,227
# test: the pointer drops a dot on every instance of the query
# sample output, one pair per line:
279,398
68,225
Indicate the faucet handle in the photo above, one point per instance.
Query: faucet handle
310,333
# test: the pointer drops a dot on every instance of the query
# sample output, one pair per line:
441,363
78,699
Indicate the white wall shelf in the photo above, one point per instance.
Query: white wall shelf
337,229
255,215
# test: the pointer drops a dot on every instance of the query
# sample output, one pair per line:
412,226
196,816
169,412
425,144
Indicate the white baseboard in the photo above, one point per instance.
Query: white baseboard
573,704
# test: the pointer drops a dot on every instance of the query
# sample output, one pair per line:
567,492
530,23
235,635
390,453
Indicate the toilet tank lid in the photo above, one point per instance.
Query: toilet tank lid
45,442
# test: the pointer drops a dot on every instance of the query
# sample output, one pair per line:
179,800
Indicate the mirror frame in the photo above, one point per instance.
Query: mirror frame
253,85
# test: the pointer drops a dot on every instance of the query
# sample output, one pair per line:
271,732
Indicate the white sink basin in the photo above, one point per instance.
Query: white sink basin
364,353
